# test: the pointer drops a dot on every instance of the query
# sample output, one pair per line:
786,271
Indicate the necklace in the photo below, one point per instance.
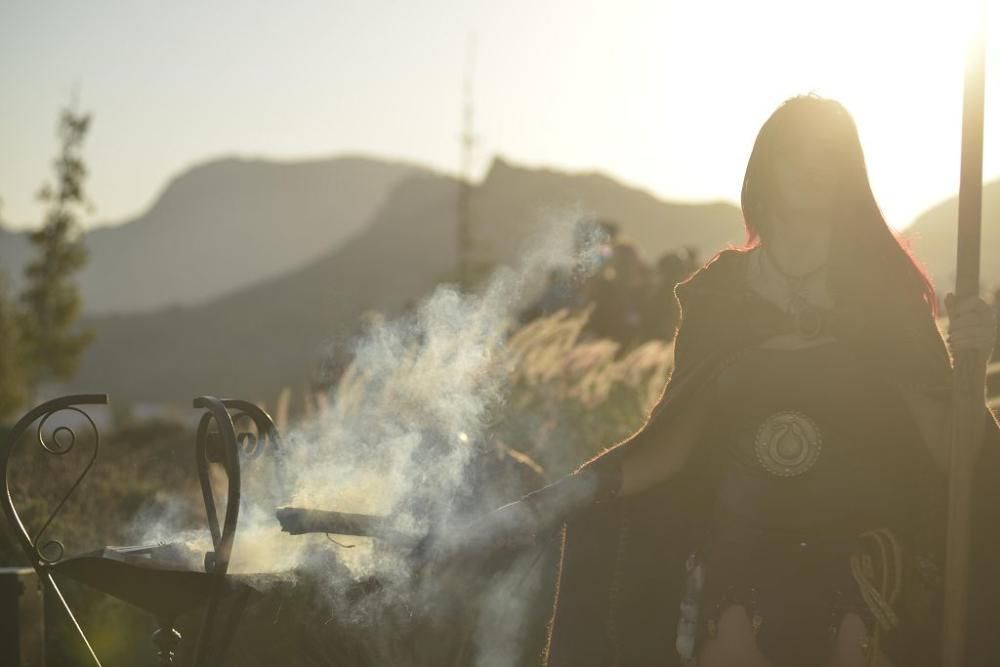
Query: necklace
789,277
807,319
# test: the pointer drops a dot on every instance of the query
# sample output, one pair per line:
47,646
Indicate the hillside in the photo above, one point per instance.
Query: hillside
272,334
254,342
260,339
934,235
512,201
223,225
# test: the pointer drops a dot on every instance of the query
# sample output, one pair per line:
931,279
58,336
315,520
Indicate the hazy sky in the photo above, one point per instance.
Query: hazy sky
667,96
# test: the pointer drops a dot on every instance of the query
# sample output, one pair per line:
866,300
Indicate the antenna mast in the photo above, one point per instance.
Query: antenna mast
468,141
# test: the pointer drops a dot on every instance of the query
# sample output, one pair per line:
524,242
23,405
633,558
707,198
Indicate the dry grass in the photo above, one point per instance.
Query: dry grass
571,397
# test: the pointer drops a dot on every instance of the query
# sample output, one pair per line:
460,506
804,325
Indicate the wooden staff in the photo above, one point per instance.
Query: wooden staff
967,421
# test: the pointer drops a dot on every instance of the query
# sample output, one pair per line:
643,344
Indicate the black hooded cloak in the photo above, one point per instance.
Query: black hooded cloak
622,571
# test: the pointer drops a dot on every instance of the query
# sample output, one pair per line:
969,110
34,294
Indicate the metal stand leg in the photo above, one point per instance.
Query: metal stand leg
239,604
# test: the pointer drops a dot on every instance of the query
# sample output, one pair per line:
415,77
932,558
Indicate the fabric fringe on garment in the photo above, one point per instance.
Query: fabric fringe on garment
687,625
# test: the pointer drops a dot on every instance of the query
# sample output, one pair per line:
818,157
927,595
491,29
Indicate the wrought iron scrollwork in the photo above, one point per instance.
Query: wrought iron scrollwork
230,446
223,537
227,446
62,441
252,445
52,551
266,440
228,455
259,437
44,554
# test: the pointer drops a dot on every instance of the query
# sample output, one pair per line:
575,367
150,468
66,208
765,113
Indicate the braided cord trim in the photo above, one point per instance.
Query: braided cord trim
879,598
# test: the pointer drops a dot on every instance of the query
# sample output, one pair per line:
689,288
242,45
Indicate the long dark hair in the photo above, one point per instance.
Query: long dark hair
870,264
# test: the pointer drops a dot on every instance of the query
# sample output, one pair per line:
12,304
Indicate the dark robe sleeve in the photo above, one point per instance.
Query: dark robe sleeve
621,568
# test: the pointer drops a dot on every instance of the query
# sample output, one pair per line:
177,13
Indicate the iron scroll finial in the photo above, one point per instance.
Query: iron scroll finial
44,555
217,562
63,440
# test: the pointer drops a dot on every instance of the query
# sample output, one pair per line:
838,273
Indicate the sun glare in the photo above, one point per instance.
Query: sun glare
897,67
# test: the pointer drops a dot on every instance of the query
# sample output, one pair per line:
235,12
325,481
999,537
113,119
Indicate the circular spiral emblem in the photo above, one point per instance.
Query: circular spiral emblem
788,443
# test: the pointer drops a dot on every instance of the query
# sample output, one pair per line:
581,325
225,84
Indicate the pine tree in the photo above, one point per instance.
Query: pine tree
51,344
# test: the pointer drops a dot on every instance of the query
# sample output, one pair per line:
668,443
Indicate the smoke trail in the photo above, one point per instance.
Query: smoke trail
402,437
413,410
412,416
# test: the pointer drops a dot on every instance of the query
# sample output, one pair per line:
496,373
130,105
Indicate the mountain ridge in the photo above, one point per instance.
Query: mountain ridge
261,338
195,240
274,331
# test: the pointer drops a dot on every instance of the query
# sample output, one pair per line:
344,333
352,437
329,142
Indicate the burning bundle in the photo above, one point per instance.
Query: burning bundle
300,521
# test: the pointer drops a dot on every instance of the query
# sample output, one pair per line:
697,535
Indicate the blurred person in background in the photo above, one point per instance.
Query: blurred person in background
559,292
619,291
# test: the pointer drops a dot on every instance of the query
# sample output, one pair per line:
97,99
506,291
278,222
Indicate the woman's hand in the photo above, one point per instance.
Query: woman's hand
972,325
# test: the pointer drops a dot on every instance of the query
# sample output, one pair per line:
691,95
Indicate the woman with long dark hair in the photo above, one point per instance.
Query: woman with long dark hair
784,502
